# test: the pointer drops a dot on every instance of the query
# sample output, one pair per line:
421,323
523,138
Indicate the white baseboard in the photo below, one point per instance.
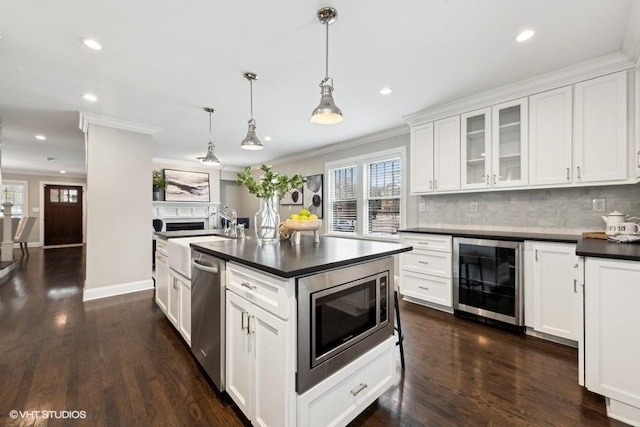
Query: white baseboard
7,270
29,244
113,290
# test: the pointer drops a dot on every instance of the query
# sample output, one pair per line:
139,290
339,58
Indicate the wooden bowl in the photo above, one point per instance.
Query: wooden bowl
297,225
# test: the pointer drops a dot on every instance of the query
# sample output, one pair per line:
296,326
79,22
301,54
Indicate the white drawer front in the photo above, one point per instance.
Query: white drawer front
431,242
341,397
263,290
437,290
427,262
161,246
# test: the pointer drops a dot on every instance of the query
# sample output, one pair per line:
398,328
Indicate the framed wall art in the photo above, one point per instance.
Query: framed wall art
312,194
293,197
185,186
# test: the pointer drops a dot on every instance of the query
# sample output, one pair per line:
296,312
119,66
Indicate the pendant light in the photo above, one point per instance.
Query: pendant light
327,113
210,159
251,141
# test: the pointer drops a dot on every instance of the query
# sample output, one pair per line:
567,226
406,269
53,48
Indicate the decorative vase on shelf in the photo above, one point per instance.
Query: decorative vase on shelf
157,194
267,221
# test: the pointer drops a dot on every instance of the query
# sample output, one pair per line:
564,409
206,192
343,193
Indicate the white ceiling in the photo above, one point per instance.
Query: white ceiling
163,61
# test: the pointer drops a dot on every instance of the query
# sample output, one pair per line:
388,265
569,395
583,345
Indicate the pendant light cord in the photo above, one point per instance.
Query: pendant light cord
251,96
210,139
326,74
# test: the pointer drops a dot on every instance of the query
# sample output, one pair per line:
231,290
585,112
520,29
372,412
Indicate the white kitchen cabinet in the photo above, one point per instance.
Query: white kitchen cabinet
554,278
476,149
435,156
341,397
162,281
426,272
179,304
421,158
612,319
600,126
509,149
446,154
257,361
551,137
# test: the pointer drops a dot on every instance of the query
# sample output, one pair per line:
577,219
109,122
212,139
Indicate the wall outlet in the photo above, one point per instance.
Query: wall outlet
474,207
422,207
599,205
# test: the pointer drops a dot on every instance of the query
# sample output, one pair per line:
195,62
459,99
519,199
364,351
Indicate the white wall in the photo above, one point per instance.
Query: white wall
119,211
214,174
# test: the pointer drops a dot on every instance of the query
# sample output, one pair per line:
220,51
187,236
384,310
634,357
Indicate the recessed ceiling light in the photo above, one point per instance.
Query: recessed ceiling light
63,171
41,137
267,138
385,91
91,44
525,35
90,97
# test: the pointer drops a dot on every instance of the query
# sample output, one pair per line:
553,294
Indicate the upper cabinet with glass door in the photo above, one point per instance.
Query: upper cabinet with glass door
510,143
476,149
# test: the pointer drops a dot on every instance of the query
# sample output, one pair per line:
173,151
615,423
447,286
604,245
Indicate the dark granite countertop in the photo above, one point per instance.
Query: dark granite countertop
286,259
518,236
604,249
188,233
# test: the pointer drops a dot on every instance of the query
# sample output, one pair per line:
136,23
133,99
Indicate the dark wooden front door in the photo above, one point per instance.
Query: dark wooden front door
62,215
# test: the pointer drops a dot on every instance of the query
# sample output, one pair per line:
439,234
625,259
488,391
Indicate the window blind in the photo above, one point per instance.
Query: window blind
343,196
384,189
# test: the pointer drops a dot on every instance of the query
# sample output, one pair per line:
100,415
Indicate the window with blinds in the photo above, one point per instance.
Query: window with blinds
382,198
343,200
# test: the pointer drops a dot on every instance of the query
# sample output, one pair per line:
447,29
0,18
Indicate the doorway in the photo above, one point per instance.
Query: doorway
62,214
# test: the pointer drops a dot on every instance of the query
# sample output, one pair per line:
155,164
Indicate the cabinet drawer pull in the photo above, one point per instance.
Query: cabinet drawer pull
242,321
568,174
494,179
423,262
423,243
249,331
358,389
203,353
248,286
423,287
578,168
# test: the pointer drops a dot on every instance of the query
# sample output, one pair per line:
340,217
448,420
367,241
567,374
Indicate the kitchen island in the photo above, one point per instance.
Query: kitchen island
268,328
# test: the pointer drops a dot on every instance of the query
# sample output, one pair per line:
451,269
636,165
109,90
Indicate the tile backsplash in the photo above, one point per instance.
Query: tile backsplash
563,210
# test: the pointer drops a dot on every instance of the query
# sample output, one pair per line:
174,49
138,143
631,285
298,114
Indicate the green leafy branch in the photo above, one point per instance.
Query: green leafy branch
271,184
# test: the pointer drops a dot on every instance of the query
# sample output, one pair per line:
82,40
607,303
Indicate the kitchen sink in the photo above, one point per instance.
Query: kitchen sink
179,251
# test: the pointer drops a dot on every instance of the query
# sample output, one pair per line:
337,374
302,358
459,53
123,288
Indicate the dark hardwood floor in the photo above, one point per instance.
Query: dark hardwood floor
120,361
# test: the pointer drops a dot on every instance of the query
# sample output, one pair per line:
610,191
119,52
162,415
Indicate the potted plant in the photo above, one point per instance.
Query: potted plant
268,189
159,184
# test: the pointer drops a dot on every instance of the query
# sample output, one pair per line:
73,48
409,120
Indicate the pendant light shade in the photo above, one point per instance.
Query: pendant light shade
327,113
251,141
210,159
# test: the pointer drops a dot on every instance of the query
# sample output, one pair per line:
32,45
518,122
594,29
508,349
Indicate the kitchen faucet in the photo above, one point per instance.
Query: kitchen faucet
231,216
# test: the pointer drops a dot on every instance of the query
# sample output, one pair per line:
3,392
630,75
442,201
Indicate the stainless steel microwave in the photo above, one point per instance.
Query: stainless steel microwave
342,314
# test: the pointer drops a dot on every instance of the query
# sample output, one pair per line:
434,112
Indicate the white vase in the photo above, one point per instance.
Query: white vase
267,221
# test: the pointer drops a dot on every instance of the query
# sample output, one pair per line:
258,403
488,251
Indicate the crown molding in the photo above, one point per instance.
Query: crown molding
566,76
87,119
339,146
43,173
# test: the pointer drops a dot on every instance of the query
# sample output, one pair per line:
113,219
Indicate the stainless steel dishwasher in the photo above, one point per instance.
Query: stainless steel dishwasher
208,315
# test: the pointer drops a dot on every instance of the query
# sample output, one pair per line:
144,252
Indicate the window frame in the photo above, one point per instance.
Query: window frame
362,187
25,204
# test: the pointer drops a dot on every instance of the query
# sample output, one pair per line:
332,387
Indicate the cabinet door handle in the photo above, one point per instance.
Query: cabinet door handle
579,175
575,285
435,184
568,174
430,184
175,286
248,286
249,331
638,153
536,254
494,179
488,180
242,321
358,389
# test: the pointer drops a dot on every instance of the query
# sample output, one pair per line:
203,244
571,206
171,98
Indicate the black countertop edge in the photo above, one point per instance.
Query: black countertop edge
516,236
598,248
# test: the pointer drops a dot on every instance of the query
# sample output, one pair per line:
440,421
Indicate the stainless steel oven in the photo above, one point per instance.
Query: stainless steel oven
342,314
487,279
